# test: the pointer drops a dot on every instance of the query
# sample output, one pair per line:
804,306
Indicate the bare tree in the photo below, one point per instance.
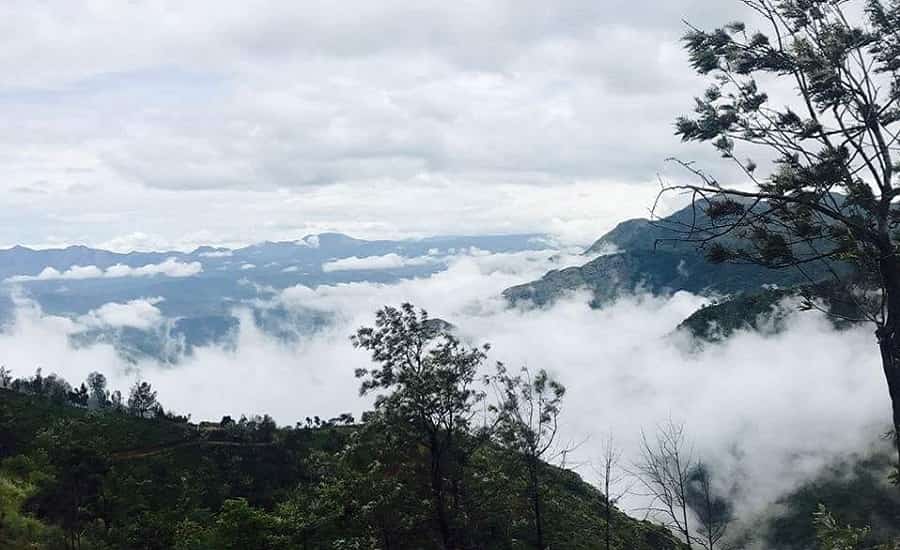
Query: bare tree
613,480
528,423
664,471
712,510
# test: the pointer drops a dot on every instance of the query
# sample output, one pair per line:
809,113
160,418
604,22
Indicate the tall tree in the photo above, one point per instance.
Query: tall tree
528,422
142,400
428,376
116,402
828,200
99,395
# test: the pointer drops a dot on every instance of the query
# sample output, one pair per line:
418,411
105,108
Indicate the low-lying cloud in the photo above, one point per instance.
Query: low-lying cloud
765,410
139,314
387,261
171,267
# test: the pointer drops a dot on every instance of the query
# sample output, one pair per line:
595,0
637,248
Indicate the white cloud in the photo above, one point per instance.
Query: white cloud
217,254
387,261
74,272
503,114
168,268
311,241
140,314
765,411
246,267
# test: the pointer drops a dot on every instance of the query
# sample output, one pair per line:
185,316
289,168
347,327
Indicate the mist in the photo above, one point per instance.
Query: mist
765,410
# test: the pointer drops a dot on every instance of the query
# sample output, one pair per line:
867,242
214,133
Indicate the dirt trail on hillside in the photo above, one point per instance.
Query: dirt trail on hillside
132,454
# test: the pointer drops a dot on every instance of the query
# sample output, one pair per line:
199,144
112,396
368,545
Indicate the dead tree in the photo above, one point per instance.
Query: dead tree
613,481
528,422
712,510
664,472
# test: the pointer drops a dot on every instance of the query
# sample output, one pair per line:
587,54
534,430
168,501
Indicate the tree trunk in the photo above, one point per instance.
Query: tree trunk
608,525
608,508
438,494
889,340
534,482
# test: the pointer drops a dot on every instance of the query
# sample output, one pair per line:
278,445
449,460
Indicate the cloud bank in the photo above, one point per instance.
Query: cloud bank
167,268
140,314
766,411
387,261
215,125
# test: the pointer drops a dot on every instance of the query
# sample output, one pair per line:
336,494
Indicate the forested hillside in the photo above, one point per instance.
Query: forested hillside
83,468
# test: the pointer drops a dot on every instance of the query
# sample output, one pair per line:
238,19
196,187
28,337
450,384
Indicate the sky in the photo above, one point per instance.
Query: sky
151,125
168,125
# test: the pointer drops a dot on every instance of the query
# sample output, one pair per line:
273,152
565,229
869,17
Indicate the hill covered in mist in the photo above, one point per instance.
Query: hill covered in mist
644,256
163,305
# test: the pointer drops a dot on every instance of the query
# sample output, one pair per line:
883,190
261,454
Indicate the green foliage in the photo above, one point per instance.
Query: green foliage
527,421
833,536
164,484
429,377
239,526
142,400
18,530
857,491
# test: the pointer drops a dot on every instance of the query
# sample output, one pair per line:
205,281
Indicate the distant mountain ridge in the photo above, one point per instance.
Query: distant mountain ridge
200,289
312,249
649,256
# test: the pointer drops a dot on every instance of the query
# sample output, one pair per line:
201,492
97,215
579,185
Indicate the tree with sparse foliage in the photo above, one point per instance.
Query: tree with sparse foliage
142,400
612,481
714,512
99,395
527,422
664,471
828,200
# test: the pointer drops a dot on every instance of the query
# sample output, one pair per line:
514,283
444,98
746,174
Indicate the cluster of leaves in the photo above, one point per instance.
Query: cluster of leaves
832,535
830,197
825,199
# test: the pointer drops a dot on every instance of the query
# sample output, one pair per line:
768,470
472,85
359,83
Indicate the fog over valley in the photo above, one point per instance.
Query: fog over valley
421,275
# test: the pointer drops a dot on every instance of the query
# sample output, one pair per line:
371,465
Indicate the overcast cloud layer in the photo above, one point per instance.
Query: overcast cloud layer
165,124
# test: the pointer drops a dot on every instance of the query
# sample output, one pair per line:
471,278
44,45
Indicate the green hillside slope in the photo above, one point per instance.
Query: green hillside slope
73,478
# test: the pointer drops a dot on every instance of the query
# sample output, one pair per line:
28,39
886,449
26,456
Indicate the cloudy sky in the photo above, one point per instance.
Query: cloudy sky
169,124
156,125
